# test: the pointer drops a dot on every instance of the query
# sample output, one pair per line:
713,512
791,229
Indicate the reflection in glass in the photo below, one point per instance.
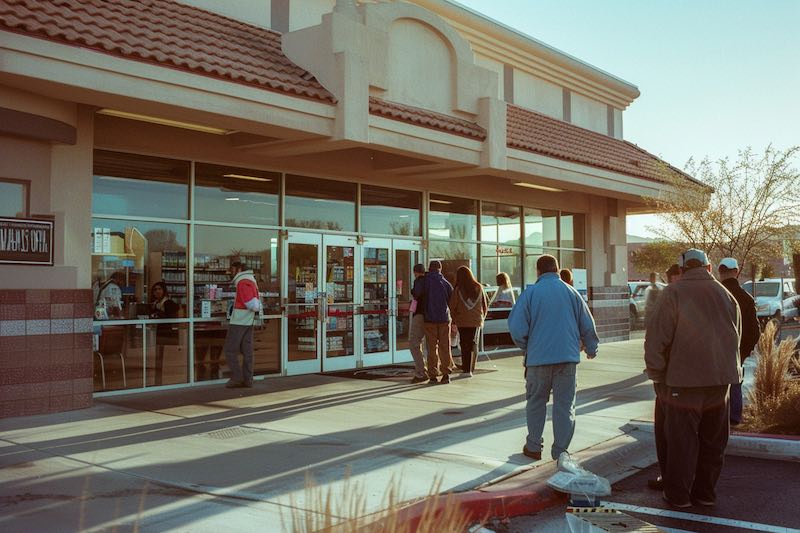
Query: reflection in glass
302,314
541,228
118,357
390,211
500,223
453,255
375,315
230,194
13,199
531,256
138,269
572,259
496,258
573,230
404,280
452,218
209,360
267,347
129,184
215,249
320,204
167,354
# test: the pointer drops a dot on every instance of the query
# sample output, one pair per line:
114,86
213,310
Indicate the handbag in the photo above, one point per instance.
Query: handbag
412,307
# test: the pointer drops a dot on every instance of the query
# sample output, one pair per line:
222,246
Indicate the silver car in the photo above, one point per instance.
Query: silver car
638,300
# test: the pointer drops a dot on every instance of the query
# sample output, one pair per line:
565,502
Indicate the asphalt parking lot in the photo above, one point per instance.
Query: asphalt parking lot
752,495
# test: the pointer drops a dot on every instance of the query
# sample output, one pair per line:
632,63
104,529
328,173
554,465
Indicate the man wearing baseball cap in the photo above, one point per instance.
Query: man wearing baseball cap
728,273
692,355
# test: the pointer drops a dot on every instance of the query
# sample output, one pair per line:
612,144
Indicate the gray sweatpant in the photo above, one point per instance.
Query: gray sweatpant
239,340
540,380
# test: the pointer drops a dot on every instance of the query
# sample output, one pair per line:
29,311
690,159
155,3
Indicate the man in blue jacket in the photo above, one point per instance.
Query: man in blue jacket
549,323
434,293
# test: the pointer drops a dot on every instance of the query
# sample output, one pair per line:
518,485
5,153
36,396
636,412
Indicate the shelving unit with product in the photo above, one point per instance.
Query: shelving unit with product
303,333
170,267
376,300
340,281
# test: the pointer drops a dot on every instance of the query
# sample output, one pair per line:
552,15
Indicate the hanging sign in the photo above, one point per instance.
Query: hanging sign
26,241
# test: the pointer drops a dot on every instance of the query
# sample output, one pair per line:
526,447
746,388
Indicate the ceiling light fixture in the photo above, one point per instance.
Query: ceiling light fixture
243,177
232,199
440,201
539,187
163,121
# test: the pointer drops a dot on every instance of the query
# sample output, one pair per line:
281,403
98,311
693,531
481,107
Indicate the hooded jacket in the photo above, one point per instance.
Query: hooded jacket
549,322
468,312
692,339
434,292
247,302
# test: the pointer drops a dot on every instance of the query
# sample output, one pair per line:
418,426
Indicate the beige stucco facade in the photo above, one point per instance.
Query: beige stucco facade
440,61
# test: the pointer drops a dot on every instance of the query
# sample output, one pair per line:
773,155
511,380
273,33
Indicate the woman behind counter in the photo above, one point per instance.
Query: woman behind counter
161,304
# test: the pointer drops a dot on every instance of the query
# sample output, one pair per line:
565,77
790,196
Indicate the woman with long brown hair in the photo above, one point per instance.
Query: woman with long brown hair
468,307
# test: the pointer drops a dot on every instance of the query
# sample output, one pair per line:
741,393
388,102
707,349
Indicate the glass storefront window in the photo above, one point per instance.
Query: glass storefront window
138,269
531,256
118,357
13,198
167,354
500,223
215,249
390,211
541,227
572,259
320,204
453,255
229,194
496,258
209,358
452,218
137,185
573,230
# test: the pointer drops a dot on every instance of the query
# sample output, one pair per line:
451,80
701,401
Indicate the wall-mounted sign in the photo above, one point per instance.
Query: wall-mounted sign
26,241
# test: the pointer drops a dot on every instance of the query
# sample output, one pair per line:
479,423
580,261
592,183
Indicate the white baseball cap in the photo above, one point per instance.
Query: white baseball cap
693,253
730,263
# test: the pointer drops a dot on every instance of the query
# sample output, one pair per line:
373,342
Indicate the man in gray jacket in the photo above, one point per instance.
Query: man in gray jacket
692,355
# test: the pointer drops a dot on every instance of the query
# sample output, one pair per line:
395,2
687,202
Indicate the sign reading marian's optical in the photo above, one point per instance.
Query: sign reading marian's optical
26,242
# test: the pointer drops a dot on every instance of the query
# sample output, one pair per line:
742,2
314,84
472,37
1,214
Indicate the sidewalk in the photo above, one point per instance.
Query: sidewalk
206,458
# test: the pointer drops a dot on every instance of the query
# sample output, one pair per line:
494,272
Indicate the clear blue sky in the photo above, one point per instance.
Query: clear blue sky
715,75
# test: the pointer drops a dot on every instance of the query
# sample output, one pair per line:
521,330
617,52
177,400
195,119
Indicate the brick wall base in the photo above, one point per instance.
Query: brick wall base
45,351
610,307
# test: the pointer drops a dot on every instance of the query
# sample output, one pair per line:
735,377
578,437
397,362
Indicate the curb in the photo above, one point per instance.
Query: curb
476,505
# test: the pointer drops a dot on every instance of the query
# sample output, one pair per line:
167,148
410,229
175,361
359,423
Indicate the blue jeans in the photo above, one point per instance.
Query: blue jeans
539,382
736,404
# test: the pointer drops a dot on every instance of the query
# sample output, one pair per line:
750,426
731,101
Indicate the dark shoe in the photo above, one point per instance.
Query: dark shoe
445,379
655,484
681,505
247,384
417,379
536,456
234,384
433,381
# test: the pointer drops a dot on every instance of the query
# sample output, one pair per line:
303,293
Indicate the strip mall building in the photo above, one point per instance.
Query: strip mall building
328,145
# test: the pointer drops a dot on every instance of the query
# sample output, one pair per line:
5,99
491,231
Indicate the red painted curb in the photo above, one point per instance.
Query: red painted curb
478,505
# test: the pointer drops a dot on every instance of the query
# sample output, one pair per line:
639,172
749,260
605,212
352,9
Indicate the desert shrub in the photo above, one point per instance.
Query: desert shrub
774,401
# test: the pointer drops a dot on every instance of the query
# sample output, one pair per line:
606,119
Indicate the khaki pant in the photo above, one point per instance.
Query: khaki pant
437,335
416,335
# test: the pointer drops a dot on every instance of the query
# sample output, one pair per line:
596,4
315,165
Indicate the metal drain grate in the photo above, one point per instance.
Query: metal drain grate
231,433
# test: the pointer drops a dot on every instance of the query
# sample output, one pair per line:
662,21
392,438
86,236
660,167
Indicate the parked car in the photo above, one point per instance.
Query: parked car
771,296
638,299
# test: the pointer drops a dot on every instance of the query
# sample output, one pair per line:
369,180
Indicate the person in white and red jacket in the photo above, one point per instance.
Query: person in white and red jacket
243,316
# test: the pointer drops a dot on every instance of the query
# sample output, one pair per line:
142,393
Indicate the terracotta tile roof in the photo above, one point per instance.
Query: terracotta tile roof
538,133
166,33
426,118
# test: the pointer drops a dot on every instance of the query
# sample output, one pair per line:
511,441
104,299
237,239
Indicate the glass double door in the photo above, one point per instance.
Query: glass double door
347,303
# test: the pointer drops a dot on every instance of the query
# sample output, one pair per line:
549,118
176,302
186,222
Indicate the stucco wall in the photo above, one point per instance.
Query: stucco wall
305,13
494,66
589,113
538,94
419,70
618,123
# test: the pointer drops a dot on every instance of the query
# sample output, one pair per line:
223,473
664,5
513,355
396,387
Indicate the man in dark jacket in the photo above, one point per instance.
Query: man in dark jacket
434,293
728,273
692,355
416,334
